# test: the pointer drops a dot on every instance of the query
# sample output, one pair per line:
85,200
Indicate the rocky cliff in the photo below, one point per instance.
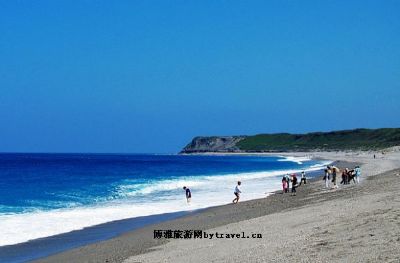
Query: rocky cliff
213,144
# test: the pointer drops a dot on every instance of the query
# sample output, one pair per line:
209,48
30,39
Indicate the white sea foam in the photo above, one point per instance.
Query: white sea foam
298,160
128,189
214,190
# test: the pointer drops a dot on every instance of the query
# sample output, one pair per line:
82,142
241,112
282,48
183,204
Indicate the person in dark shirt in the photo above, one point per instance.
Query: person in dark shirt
294,184
352,176
344,174
188,194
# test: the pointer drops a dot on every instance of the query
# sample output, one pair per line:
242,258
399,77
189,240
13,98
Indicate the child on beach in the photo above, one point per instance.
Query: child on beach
237,193
284,185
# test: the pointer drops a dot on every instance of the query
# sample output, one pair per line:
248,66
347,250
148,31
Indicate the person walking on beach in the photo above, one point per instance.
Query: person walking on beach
334,170
327,178
294,184
357,171
284,185
345,176
237,193
288,183
188,194
303,178
352,176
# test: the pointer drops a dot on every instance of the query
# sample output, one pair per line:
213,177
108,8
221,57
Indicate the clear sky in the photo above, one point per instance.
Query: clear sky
147,76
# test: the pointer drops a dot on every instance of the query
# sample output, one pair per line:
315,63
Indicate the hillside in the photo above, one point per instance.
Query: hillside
358,139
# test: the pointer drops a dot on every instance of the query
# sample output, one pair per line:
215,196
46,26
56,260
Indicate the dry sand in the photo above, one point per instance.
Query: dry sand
357,223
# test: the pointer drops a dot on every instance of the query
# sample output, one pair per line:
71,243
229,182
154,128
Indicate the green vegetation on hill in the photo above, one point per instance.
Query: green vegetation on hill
360,139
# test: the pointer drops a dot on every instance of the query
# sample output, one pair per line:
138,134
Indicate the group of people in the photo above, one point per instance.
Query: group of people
287,179
331,173
347,176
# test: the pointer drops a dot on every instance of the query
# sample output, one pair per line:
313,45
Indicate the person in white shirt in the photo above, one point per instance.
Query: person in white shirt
237,192
357,171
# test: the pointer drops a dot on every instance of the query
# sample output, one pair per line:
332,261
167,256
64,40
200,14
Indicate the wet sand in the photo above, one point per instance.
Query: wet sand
356,223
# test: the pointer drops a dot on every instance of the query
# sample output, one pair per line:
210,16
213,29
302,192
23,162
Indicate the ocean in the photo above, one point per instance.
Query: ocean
43,195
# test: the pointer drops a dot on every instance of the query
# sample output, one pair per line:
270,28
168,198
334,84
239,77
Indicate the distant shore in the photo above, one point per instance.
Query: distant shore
262,215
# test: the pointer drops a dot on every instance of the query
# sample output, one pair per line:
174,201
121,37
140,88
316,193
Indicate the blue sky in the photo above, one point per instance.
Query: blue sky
147,76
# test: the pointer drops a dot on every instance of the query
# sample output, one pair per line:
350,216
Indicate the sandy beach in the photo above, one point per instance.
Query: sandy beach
356,223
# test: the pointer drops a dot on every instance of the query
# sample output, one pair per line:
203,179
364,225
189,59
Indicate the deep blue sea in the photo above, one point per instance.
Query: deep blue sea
48,194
